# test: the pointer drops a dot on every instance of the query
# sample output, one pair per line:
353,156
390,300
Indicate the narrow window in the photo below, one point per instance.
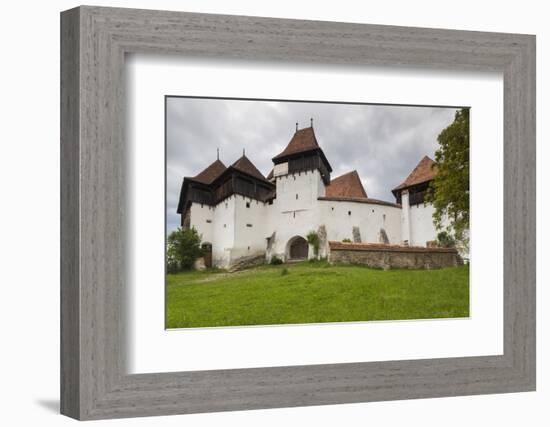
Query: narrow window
332,208
247,204
224,226
296,196
349,213
294,214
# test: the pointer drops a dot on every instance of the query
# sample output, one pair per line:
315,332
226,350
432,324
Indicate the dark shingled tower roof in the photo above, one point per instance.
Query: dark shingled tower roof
423,172
302,141
208,175
346,186
245,165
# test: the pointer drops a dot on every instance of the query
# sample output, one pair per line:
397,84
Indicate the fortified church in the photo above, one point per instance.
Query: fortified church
240,213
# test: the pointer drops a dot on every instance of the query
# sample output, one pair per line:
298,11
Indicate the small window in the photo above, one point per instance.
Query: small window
225,226
270,202
209,221
349,213
226,206
293,214
296,196
249,225
373,211
247,204
384,217
332,208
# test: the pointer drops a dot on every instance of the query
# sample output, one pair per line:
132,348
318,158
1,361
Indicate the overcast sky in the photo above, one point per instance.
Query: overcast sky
382,142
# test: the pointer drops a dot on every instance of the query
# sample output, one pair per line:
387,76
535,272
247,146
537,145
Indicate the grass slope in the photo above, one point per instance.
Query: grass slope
314,293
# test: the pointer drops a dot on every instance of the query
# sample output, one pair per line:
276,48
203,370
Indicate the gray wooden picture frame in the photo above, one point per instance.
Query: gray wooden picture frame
94,382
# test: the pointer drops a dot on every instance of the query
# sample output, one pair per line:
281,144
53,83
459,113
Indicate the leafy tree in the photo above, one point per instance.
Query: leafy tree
183,248
313,239
445,240
450,190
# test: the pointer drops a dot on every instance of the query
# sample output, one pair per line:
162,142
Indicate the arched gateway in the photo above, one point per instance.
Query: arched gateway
297,249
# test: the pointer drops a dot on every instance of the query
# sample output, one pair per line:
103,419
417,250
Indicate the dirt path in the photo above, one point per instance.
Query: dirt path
214,277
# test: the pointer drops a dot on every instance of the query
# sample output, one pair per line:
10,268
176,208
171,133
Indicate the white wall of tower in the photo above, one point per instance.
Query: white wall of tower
423,229
223,232
202,219
250,227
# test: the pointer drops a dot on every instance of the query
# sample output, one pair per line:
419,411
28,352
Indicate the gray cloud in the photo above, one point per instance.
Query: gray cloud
382,142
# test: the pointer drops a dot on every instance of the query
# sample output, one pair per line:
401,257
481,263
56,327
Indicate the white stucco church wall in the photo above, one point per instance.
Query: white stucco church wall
341,217
240,226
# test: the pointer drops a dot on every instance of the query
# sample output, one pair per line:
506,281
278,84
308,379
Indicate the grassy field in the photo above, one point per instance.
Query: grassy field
313,293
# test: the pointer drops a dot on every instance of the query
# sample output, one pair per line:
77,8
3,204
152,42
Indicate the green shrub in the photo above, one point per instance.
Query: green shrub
346,240
445,240
313,240
183,248
172,267
275,260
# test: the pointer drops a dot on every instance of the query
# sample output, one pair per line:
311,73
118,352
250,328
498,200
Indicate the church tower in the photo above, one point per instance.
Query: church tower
302,154
301,172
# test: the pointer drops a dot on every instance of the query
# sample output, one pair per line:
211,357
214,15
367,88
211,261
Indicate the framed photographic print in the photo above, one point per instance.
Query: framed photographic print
261,213
300,233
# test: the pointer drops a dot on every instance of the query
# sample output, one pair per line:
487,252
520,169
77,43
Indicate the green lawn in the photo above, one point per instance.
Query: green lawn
313,293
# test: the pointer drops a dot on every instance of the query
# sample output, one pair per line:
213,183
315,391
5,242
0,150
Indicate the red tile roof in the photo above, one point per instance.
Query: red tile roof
245,165
341,246
423,172
346,186
303,140
208,175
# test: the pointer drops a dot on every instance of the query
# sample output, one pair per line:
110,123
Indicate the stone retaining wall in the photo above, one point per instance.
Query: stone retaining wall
392,256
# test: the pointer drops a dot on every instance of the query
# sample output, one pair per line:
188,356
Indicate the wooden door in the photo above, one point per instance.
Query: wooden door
207,254
299,248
